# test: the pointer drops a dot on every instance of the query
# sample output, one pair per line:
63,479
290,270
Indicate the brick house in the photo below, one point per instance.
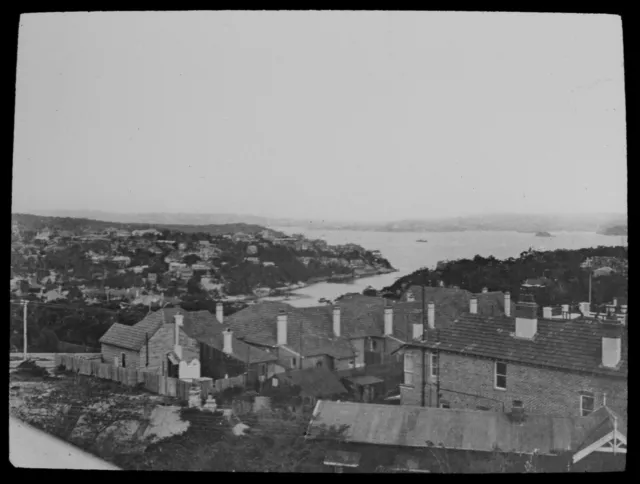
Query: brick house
426,439
557,367
197,346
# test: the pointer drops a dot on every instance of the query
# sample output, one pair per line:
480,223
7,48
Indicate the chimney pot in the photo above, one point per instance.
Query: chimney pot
623,309
547,312
418,330
485,290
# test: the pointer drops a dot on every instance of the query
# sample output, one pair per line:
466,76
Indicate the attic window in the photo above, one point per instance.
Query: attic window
587,404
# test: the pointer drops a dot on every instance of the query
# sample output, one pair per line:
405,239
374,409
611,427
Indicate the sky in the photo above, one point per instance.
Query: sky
367,116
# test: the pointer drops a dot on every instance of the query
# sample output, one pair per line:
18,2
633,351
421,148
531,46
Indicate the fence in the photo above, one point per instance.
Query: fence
153,382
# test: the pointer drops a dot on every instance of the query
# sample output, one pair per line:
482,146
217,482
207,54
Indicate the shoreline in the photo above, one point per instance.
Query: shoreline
329,280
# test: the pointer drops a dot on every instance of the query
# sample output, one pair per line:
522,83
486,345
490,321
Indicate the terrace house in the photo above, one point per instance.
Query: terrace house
559,367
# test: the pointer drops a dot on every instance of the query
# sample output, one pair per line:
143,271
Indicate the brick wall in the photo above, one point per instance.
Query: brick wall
162,342
541,390
109,352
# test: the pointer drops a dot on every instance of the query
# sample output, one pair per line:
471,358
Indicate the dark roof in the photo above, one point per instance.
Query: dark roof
364,380
318,382
574,345
214,337
459,429
307,333
124,336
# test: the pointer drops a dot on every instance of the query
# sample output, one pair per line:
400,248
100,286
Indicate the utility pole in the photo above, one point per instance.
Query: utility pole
24,317
423,369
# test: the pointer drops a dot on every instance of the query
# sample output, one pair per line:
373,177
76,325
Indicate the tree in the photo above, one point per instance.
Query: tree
191,259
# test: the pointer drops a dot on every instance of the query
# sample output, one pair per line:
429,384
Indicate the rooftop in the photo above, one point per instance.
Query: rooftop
574,345
459,429
318,382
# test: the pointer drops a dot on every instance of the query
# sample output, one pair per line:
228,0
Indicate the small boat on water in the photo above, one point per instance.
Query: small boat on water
422,240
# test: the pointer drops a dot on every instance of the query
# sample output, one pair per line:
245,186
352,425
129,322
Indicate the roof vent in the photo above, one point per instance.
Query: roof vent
517,411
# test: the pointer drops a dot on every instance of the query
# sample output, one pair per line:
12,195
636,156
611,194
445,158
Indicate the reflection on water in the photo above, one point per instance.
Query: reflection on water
407,255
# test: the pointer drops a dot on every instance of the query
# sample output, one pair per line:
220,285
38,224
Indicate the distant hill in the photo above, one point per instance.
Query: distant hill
618,230
39,222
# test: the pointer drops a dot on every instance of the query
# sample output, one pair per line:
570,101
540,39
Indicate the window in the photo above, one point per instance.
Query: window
587,403
124,360
408,369
434,365
500,375
293,362
444,404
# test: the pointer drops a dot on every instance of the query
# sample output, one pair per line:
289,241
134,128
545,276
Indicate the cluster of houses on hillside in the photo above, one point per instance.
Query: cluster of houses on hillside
440,368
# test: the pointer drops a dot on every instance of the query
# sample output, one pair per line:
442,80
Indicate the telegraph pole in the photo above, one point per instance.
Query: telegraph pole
423,369
24,336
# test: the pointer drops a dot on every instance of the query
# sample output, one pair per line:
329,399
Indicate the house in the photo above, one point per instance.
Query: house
557,367
603,271
185,273
204,243
140,233
121,260
422,439
154,249
176,266
152,278
253,260
451,302
242,237
312,383
268,264
43,235
298,338
122,233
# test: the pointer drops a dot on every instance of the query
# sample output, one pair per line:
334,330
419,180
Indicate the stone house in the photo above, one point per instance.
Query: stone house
559,367
433,440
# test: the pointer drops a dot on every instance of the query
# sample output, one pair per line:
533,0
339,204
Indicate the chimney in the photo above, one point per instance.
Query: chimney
336,320
473,305
179,318
219,312
441,283
526,317
585,307
137,293
623,309
431,315
565,311
611,344
282,328
507,304
227,348
615,302
410,296
547,313
388,321
485,290
611,309
418,330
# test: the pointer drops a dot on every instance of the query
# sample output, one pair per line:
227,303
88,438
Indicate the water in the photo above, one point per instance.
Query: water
407,255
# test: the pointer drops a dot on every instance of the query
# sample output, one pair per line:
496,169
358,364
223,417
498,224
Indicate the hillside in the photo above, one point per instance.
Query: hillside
86,265
566,278
617,230
39,222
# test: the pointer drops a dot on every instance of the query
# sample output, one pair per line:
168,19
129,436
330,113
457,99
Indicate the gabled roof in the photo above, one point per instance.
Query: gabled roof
574,345
317,382
456,429
307,333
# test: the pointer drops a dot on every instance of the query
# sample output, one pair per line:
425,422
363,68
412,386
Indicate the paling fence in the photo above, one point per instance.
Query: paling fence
153,382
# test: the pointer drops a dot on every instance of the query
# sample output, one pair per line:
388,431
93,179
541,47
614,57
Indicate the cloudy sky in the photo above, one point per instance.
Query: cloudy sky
320,115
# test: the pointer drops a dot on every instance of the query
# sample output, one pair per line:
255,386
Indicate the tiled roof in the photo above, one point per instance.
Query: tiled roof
459,429
214,337
123,336
318,382
574,345
306,332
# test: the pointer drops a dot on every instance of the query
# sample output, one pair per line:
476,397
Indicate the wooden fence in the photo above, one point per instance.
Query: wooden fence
153,382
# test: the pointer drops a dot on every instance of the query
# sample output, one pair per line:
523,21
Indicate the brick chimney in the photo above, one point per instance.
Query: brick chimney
485,290
611,344
282,327
410,296
585,307
336,320
547,312
526,316
431,315
179,321
565,311
219,312
507,304
473,305
227,347
388,321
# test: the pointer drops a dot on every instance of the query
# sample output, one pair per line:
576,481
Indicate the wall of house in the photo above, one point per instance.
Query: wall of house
342,364
313,361
541,390
216,364
359,346
132,358
162,342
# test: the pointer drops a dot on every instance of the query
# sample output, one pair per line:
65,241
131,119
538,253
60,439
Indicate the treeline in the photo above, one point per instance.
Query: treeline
566,280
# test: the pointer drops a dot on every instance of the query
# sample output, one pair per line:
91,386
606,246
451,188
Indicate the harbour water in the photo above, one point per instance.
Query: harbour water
406,254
